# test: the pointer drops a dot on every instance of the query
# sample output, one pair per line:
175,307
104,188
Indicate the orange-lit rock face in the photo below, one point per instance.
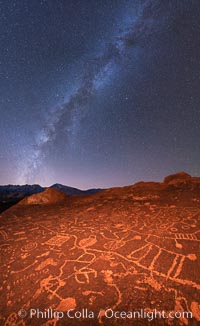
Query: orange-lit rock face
49,196
125,249
180,177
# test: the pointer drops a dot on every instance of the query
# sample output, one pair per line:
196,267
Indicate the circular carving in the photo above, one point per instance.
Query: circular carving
29,246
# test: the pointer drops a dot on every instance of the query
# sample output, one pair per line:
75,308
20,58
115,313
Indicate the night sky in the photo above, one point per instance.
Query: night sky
98,93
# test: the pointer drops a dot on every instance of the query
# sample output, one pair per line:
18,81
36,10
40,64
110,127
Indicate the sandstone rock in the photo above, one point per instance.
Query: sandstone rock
178,179
49,196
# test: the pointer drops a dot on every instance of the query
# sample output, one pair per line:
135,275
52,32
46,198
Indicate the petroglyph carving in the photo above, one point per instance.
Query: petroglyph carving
195,307
82,275
66,304
51,322
29,246
114,244
3,234
108,276
88,242
14,320
45,263
51,284
58,240
66,265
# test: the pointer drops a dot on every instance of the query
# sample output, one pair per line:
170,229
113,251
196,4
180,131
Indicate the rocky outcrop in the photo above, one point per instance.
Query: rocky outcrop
180,179
49,196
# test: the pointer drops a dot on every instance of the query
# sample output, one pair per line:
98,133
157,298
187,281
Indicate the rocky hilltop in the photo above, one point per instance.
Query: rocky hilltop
48,196
177,189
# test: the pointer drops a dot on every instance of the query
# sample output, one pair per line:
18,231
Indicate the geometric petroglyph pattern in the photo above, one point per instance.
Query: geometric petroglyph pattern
102,253
186,236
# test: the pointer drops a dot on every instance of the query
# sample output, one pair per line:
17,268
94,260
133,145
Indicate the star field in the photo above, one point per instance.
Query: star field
98,94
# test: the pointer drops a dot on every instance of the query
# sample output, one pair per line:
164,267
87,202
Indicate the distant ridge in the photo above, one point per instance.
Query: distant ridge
74,191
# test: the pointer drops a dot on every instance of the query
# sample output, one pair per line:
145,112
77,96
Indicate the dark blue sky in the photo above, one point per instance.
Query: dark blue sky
98,93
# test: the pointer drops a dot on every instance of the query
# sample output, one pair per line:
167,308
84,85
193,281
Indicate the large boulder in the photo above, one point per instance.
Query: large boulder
178,179
48,196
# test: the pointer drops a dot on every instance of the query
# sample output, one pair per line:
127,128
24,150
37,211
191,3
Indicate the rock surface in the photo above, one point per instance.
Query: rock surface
48,196
180,178
124,249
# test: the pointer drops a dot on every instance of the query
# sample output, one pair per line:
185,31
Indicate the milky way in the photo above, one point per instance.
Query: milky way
126,78
101,68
